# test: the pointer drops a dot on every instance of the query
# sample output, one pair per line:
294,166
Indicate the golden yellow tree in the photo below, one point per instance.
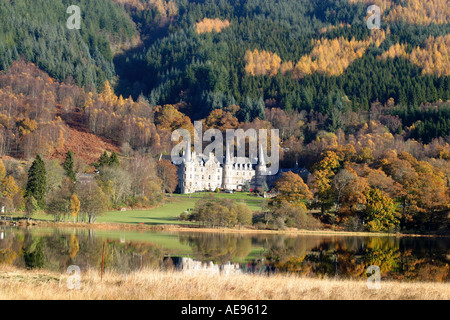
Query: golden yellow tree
2,170
9,187
292,188
75,206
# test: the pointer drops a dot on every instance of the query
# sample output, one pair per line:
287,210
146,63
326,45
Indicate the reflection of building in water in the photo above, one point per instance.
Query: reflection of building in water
189,265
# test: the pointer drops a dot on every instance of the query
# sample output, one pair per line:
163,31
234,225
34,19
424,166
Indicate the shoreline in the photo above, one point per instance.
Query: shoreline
186,229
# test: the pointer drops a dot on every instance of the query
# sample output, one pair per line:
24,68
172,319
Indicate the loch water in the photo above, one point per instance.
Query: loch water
318,256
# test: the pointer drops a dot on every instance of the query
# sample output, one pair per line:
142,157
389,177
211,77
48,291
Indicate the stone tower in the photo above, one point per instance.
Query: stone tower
185,170
261,169
227,170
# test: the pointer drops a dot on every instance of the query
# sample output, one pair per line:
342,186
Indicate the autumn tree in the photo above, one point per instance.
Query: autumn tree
74,206
380,213
2,170
221,212
115,183
221,120
244,214
167,117
349,193
167,173
209,25
93,201
323,173
262,63
291,187
8,190
58,205
288,215
58,200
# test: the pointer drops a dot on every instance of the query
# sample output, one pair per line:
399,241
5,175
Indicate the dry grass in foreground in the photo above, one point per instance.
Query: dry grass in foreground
158,285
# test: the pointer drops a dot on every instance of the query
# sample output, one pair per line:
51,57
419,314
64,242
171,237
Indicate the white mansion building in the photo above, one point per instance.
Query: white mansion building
195,174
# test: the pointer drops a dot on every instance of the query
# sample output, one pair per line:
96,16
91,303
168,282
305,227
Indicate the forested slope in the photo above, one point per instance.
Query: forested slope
313,52
210,70
36,31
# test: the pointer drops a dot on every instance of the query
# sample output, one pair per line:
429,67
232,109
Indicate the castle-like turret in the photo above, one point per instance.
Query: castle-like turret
261,169
185,171
227,170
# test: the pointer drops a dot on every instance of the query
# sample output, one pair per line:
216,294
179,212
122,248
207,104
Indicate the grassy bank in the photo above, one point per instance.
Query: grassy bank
165,214
150,285
165,218
190,227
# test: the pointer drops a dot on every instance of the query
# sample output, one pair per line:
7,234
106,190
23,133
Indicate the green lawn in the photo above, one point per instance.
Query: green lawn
167,213
250,199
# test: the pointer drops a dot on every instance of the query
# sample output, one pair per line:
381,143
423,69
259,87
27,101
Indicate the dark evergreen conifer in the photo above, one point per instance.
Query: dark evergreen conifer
37,182
68,166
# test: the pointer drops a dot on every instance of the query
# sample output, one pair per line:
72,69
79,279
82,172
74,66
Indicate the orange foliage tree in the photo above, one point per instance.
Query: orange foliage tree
209,25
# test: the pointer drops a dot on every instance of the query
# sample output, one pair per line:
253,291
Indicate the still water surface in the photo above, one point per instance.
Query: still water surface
407,258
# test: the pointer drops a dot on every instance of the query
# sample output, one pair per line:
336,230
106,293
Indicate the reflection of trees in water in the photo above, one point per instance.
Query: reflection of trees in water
287,252
125,257
326,256
32,252
219,248
10,247
59,249
350,257
426,260
346,257
316,256
382,252
426,269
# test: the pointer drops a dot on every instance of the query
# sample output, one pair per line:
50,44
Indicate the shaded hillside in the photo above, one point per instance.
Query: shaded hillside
209,70
196,52
36,30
